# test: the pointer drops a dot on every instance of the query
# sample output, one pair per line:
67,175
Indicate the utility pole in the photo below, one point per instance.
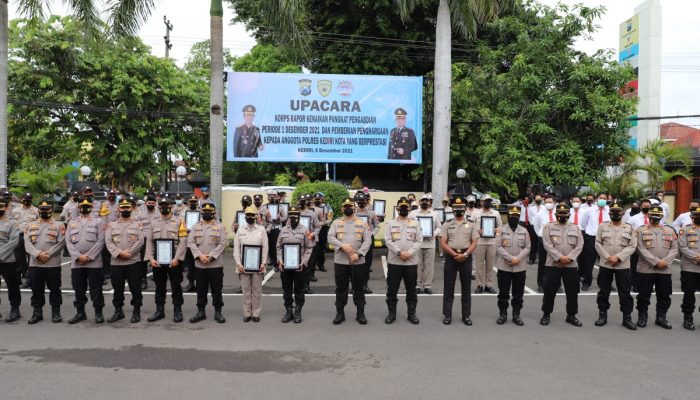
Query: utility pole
168,29
164,152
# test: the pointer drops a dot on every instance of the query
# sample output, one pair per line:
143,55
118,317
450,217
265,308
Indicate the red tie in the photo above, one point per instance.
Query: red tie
600,216
646,220
550,216
575,217
527,220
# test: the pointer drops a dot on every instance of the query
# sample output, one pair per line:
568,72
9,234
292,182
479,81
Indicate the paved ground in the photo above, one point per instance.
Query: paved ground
315,359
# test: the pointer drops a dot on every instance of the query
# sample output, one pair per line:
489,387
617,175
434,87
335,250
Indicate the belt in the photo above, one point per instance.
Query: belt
460,251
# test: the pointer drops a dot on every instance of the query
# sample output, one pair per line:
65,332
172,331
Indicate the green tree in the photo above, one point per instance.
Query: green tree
334,193
664,161
41,177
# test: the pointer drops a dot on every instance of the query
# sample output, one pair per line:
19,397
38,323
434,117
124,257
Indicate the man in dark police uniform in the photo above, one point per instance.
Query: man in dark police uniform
402,141
246,140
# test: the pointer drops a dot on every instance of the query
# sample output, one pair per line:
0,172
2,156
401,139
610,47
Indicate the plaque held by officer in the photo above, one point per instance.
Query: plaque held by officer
165,250
379,207
488,226
191,219
426,226
252,258
291,254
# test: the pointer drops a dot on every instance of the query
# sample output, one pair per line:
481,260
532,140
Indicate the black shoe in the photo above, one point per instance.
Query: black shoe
177,314
412,318
136,315
297,314
99,318
360,317
158,315
544,321
571,319
192,288
256,319
78,317
37,316
322,268
502,318
490,290
339,317
602,319
144,284
118,314
479,289
56,315
390,318
539,289
642,321
199,316
428,290
516,318
367,290
418,290
219,317
313,279
447,320
307,290
688,322
662,322
585,287
247,319
627,322
467,321
14,315
288,316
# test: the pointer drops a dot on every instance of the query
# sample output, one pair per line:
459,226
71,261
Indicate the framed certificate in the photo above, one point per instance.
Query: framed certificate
449,216
440,213
191,218
426,226
284,208
291,256
165,251
306,221
379,207
252,258
240,218
274,211
488,226
364,218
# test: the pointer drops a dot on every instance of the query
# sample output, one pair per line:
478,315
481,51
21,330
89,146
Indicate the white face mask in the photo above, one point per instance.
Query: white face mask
549,206
576,204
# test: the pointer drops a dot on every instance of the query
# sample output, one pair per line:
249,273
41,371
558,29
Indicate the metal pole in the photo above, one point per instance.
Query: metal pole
168,28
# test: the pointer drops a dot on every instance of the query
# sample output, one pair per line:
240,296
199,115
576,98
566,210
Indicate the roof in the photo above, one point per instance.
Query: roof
675,132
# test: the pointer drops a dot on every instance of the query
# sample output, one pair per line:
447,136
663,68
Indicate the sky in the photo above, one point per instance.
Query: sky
680,65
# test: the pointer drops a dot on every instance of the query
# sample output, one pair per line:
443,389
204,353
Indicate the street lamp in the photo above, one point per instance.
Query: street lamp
85,171
460,189
180,172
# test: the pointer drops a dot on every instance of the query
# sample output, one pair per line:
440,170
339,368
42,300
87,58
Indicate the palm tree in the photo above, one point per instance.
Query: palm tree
125,17
657,156
465,16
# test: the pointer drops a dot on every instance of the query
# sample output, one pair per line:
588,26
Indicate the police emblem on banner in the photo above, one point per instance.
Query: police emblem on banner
305,87
344,88
324,87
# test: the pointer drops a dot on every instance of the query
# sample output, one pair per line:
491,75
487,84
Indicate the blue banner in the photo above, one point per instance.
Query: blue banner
324,118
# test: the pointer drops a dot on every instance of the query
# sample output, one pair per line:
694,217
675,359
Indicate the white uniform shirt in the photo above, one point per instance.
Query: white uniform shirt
589,224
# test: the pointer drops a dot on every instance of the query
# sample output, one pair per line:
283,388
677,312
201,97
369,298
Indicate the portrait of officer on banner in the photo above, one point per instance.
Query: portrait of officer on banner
246,140
402,140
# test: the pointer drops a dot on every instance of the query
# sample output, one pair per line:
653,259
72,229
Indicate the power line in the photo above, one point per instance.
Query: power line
662,117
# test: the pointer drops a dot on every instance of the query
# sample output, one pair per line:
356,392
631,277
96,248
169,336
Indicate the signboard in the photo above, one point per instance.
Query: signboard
324,118
629,53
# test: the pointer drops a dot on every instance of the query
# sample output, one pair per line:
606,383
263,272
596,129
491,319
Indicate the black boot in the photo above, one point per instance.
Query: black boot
627,322
177,314
412,316
144,283
360,317
391,317
200,316
544,321
662,321
118,314
218,317
297,314
136,315
99,318
367,290
37,316
159,314
79,316
288,315
688,322
502,317
516,318
571,319
642,319
602,318
14,314
339,316
56,314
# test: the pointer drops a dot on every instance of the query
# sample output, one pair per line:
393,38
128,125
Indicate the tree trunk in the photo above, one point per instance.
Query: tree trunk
443,101
216,100
3,92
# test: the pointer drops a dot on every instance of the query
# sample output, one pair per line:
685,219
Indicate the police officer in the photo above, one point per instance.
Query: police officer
24,214
425,256
9,236
293,280
402,140
246,138
458,239
690,266
272,224
373,222
512,248
109,212
192,206
149,213
403,238
486,247
70,209
172,229
207,241
563,243
44,241
180,207
251,234
657,246
351,238
615,243
325,216
96,204
246,201
313,204
124,239
85,238
314,229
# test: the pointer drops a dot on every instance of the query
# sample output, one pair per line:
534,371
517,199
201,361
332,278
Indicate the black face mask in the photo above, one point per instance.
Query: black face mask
589,201
403,212
471,204
193,206
317,202
90,197
696,220
111,198
513,222
655,218
126,213
2,213
362,204
250,220
150,207
538,202
424,206
245,203
27,202
206,195
209,216
45,214
75,198
257,203
645,210
562,218
302,205
165,210
85,210
635,209
459,213
348,211
616,217
487,204
294,221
